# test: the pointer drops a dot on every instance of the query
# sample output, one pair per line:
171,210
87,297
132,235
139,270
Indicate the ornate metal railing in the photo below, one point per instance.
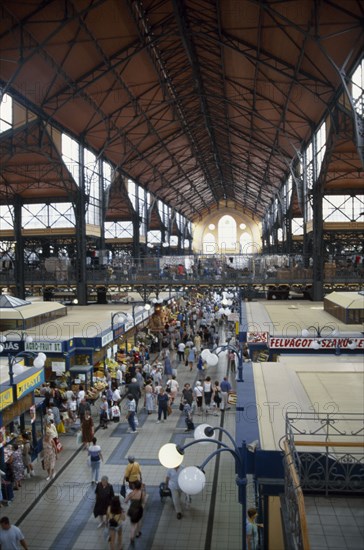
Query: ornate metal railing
296,523
151,275
328,451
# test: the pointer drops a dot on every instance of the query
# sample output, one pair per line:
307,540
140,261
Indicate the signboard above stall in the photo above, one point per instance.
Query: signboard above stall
28,382
280,342
6,396
45,347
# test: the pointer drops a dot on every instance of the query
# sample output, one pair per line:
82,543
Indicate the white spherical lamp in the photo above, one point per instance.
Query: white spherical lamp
1,348
169,456
212,360
191,480
42,356
200,432
2,338
38,363
205,354
305,333
315,345
28,339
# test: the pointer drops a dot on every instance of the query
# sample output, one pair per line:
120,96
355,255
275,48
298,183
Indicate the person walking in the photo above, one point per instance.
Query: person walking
137,499
207,392
225,388
132,472
216,396
198,391
104,492
115,516
149,397
163,402
27,455
95,455
134,390
173,386
181,351
49,455
191,357
83,406
17,465
131,408
187,411
200,368
87,429
187,394
11,536
104,412
176,492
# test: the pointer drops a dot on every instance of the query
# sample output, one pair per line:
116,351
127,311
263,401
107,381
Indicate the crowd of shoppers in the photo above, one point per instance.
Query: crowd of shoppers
158,386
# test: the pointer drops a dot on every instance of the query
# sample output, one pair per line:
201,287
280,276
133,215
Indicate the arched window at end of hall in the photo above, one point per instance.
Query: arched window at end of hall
227,233
247,246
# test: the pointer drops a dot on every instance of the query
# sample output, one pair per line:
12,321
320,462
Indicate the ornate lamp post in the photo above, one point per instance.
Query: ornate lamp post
39,360
115,318
145,307
192,479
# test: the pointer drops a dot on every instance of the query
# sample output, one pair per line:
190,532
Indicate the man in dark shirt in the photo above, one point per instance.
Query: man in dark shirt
134,390
82,408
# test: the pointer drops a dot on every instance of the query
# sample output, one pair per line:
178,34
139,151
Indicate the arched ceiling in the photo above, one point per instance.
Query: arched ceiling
199,101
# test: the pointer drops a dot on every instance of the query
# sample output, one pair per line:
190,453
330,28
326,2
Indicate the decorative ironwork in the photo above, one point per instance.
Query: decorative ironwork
334,459
294,500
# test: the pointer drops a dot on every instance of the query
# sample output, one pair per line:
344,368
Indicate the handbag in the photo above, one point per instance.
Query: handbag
123,490
181,406
113,522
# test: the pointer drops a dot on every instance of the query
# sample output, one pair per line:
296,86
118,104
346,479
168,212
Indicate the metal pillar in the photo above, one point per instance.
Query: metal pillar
136,236
19,250
317,245
80,210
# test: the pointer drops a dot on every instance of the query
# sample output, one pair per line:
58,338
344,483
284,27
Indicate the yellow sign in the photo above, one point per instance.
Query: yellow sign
6,398
30,383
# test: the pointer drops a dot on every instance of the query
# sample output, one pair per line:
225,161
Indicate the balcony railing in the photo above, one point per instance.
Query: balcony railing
328,451
323,454
279,280
296,522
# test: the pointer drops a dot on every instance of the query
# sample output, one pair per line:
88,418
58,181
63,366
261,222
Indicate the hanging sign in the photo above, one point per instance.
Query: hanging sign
325,343
30,384
45,347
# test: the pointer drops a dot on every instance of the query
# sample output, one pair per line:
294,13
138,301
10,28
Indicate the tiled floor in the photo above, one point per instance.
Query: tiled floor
58,516
335,523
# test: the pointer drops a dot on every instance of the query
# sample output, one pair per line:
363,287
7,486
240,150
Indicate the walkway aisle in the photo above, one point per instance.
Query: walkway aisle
63,519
